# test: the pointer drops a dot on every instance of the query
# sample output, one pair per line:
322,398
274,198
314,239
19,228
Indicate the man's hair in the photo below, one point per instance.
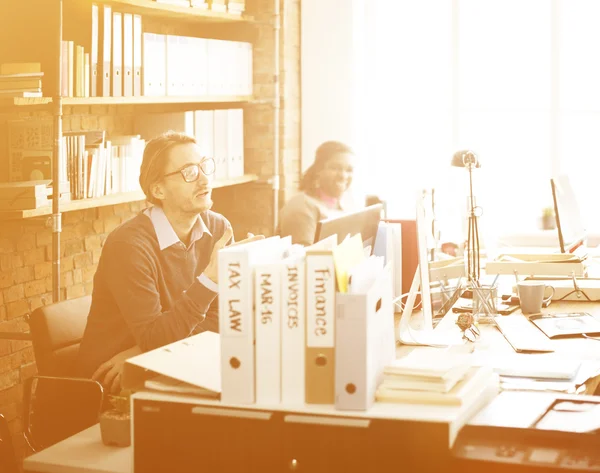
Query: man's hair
324,153
155,157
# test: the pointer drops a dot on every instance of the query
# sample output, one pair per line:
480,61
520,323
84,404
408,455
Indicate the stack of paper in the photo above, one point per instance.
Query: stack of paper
434,377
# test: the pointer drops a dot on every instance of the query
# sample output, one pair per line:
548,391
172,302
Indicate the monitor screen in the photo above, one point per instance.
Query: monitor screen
364,221
441,275
571,231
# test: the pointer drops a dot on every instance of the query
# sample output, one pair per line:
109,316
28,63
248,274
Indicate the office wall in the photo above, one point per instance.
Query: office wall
332,71
25,246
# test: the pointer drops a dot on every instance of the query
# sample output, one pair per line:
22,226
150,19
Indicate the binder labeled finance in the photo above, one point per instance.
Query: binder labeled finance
320,322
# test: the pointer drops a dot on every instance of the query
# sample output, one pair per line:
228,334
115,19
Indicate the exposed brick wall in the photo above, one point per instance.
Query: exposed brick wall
26,246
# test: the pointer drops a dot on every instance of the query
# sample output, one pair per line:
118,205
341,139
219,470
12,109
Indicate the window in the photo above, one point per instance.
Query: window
516,81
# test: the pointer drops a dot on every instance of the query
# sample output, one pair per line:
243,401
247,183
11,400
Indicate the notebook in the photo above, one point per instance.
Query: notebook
566,324
522,335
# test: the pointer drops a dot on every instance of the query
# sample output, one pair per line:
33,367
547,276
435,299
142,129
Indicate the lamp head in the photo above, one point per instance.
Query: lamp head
465,159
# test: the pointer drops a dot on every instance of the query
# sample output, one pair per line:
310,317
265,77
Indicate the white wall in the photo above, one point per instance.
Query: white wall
331,65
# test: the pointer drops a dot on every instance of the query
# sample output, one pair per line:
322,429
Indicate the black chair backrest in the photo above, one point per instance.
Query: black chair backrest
56,332
8,459
56,408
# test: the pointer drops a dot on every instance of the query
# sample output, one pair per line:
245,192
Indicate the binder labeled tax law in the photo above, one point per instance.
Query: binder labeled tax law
364,338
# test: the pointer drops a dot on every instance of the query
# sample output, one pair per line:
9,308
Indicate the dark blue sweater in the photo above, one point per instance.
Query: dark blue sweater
146,296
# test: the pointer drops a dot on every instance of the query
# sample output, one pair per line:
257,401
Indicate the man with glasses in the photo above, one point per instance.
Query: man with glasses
157,274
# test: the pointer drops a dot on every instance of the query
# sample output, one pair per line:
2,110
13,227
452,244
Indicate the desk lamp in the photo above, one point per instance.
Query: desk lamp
467,159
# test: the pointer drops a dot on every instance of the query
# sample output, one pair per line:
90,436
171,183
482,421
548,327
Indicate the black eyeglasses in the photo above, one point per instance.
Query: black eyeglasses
191,172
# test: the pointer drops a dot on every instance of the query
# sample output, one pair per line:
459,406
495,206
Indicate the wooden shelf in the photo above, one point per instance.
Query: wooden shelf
150,7
158,100
112,199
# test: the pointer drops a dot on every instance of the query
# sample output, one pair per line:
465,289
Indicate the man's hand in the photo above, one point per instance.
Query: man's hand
109,372
212,270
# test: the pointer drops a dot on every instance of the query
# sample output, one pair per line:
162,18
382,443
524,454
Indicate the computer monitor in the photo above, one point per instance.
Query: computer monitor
571,231
441,275
364,221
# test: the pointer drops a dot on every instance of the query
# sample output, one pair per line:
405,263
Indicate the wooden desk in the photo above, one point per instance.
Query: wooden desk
85,453
81,453
492,342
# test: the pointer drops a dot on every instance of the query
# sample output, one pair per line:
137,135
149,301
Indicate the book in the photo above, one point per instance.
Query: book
418,383
170,385
429,365
566,324
476,380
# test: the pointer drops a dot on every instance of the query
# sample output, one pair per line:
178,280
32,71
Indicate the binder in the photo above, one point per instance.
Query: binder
94,52
221,143
117,55
235,145
71,67
86,74
172,65
105,39
155,61
364,342
204,132
137,55
200,53
267,315
236,322
293,329
127,54
320,322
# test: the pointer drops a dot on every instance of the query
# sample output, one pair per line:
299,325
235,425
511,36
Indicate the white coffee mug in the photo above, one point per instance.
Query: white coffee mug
531,295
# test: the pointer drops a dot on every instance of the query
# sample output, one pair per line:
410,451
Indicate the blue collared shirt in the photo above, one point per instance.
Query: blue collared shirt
167,237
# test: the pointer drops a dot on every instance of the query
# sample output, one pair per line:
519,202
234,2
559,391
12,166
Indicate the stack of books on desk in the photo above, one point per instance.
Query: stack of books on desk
434,377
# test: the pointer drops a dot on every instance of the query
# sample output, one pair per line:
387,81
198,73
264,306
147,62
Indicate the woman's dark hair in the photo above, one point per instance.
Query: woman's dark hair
324,153
154,159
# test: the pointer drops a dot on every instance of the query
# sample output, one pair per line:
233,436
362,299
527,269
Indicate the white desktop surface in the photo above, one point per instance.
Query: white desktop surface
81,453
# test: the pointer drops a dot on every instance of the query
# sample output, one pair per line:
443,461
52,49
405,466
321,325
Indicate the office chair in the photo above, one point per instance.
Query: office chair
56,403
56,332
56,408
8,458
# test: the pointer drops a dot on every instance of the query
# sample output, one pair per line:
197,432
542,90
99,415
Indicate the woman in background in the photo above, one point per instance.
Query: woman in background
323,194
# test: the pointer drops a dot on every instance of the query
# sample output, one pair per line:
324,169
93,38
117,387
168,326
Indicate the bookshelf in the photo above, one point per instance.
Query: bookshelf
111,199
51,22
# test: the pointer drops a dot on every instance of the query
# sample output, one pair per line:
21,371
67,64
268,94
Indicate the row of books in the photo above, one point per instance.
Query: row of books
235,7
95,166
20,80
292,328
115,58
219,133
435,376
